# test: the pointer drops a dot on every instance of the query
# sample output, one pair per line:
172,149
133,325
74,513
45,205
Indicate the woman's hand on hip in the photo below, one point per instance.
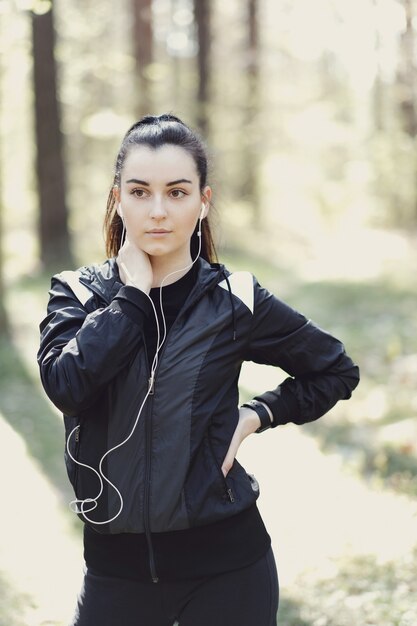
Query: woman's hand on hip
135,268
248,423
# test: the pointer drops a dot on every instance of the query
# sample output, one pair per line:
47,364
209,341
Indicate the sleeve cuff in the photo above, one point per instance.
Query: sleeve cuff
133,303
283,404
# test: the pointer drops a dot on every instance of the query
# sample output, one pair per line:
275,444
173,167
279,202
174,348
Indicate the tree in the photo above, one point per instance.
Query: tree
406,78
143,51
202,16
250,165
3,316
406,89
378,90
53,214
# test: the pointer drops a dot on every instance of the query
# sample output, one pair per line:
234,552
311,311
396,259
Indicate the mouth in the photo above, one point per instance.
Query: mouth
158,231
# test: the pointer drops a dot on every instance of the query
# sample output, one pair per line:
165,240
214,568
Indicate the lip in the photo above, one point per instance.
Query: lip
158,232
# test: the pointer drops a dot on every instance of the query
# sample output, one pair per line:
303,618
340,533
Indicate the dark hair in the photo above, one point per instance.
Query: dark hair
157,131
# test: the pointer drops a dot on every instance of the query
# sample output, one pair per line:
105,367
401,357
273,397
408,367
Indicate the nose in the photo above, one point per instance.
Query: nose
158,210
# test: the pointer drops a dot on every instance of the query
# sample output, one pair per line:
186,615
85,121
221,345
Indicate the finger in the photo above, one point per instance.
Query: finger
229,458
226,467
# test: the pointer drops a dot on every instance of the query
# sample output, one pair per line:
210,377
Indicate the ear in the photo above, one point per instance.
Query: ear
206,199
116,196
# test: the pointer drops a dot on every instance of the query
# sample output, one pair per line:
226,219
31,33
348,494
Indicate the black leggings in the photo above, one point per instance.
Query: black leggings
244,597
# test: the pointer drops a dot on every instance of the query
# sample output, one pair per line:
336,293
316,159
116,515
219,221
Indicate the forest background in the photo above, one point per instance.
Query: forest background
310,115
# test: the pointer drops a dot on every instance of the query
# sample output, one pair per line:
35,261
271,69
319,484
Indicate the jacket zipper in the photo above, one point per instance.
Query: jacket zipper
148,441
148,445
147,487
76,453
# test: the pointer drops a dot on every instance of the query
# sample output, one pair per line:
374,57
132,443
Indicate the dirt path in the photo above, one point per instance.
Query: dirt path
40,556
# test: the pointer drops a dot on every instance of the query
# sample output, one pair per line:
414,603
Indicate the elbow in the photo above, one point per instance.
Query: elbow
351,379
356,376
62,394
347,371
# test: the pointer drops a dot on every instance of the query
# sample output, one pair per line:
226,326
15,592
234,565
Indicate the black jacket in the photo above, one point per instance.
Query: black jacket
94,368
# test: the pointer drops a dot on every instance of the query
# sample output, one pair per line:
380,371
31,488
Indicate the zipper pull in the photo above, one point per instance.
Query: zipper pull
151,385
77,435
230,494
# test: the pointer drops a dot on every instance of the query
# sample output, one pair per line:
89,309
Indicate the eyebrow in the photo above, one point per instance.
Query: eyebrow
137,181
174,182
180,180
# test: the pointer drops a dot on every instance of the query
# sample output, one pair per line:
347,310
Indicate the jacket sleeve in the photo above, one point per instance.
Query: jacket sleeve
320,372
79,351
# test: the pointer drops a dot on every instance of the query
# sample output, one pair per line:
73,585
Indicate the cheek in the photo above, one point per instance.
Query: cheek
189,223
189,218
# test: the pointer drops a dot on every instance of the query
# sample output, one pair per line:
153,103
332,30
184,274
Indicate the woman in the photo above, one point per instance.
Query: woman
142,355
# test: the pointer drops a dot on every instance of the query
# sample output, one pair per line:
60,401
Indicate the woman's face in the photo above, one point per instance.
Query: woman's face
161,200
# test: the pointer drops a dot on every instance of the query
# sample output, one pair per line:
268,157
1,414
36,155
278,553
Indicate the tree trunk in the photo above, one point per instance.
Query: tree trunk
143,50
406,84
250,136
53,221
378,88
3,316
407,75
202,16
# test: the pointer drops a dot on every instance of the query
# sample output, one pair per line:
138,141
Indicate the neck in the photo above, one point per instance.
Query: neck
173,269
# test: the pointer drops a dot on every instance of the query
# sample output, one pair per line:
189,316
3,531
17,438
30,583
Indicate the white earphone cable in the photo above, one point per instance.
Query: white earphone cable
78,505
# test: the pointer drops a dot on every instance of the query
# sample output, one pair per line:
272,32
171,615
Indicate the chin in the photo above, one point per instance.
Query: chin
156,251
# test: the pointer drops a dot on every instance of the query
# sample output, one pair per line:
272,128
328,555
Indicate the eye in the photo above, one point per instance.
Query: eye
139,193
177,193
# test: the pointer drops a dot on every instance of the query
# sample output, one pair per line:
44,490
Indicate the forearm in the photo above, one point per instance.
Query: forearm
306,398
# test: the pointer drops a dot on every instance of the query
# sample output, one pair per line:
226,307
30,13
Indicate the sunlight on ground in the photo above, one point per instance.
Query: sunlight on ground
39,553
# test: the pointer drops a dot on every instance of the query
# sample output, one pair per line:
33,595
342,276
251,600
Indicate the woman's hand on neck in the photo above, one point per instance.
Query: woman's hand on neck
135,267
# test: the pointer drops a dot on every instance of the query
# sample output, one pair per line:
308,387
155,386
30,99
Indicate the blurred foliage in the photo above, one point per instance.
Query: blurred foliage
361,592
13,604
323,155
